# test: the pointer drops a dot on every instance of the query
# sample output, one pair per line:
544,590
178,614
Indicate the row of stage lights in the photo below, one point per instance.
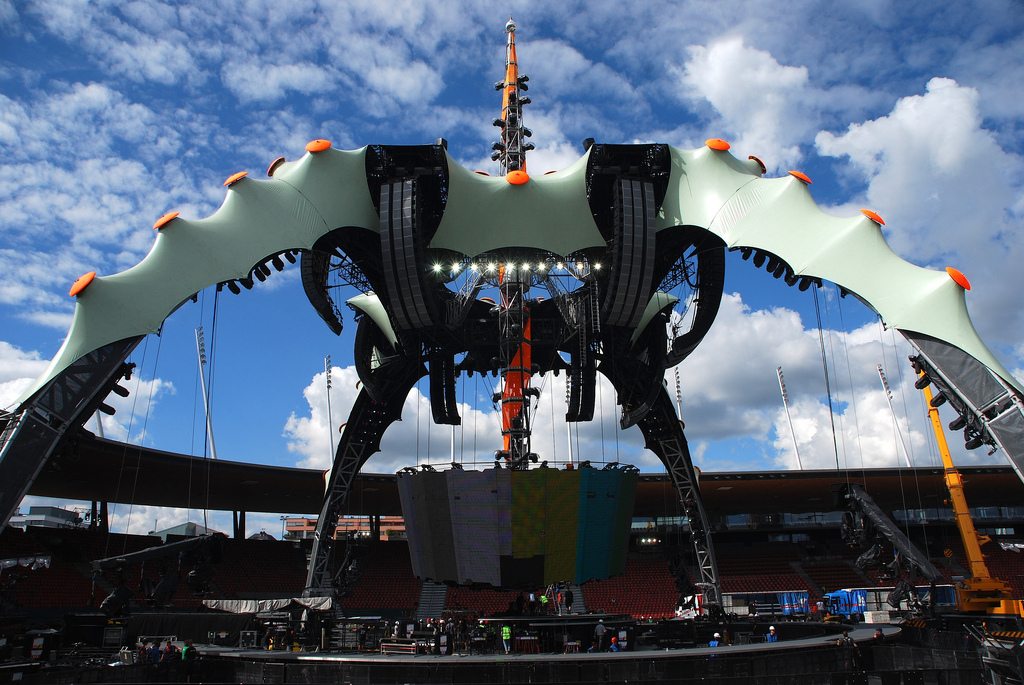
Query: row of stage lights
580,268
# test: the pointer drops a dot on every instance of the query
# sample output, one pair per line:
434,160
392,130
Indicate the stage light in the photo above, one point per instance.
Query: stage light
437,268
974,443
233,287
938,400
922,382
278,264
958,423
597,267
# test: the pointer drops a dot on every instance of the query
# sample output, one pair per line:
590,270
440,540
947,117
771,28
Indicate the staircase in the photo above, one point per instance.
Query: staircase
578,605
432,599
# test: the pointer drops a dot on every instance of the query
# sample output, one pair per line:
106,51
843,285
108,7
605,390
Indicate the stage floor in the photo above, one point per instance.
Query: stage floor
861,634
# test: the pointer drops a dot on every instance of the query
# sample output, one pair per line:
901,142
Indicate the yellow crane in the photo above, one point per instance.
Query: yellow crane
981,592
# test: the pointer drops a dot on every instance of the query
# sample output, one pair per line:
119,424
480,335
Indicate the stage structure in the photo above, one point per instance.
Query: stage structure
607,238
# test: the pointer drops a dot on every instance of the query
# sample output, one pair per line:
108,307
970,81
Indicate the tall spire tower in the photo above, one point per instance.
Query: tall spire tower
511,149
514,277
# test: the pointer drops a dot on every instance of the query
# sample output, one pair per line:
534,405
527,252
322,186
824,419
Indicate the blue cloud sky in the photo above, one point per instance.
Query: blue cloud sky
113,114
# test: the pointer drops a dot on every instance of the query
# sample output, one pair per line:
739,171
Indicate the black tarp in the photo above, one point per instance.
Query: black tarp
196,627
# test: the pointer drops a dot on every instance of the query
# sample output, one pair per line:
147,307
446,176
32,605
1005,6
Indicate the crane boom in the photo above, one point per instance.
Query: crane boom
981,592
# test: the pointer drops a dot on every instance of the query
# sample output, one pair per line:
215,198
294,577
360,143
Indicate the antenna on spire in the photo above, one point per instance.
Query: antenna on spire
510,150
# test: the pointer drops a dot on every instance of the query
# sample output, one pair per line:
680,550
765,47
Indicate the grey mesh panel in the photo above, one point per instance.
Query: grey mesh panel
1008,429
971,378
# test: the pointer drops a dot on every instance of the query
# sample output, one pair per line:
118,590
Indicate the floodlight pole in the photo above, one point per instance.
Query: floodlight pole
679,395
892,410
201,349
785,402
330,419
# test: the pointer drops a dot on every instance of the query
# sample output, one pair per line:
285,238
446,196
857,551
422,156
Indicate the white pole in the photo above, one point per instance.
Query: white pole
201,348
330,419
785,402
679,395
892,410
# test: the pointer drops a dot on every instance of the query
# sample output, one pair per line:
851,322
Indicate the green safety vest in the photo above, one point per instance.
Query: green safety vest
543,599
506,633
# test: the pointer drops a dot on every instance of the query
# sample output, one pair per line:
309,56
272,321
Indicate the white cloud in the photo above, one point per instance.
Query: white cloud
767,106
947,191
17,371
155,50
413,439
72,202
132,414
261,82
414,83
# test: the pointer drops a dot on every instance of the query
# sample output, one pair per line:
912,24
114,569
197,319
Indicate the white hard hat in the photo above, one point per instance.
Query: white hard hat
718,635
771,627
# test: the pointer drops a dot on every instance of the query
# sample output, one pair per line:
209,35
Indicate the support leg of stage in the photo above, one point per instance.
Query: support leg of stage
366,424
664,435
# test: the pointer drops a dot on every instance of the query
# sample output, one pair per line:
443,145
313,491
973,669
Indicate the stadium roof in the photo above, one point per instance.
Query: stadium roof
95,469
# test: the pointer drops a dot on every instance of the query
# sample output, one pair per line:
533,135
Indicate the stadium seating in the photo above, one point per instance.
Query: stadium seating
645,589
478,602
385,583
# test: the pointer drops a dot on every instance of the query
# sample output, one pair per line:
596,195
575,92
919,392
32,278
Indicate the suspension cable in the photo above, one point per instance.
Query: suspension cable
124,457
145,425
906,412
